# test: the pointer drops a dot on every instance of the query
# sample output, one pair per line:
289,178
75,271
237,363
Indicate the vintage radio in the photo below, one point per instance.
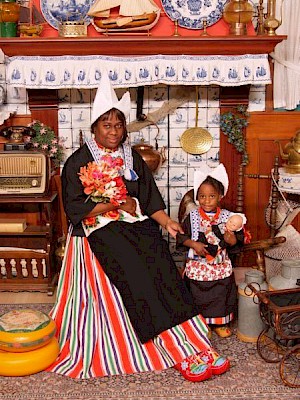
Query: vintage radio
24,173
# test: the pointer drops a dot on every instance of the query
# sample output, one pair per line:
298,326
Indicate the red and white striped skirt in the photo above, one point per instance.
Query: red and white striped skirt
95,334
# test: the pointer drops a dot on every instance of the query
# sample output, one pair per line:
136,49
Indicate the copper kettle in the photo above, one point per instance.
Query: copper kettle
154,158
291,153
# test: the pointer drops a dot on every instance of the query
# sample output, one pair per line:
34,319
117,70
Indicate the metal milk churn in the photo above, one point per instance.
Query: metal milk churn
250,323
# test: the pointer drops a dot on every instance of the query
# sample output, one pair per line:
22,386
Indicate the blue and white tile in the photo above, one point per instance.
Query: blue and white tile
65,134
196,160
202,117
16,95
257,101
64,96
157,95
19,108
177,157
160,136
179,118
76,136
141,136
80,97
213,117
213,157
178,176
213,96
81,117
64,118
215,133
161,176
175,135
2,73
176,195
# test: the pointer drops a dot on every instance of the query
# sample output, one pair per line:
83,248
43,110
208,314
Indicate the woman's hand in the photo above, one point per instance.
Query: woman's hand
129,205
173,227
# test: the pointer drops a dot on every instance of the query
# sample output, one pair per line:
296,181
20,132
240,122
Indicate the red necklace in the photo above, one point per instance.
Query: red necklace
107,150
207,217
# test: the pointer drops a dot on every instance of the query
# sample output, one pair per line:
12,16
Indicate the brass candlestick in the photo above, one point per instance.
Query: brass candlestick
204,33
176,28
260,30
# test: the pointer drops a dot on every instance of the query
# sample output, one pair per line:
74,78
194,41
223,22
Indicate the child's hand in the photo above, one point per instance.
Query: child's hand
230,238
200,249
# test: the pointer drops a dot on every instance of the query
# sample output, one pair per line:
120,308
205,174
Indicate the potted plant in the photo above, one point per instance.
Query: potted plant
42,137
233,124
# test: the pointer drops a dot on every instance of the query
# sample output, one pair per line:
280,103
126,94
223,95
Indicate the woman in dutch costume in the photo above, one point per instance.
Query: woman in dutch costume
122,306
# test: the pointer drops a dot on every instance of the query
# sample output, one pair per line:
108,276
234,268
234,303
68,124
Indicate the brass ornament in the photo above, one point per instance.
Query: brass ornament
238,13
196,140
291,153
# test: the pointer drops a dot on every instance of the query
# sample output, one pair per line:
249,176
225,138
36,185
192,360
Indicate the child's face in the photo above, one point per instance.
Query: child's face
208,197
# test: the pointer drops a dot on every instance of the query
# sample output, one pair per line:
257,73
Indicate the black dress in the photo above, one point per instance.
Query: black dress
134,256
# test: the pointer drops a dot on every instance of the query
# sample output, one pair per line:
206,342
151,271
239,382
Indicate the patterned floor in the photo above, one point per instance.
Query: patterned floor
250,377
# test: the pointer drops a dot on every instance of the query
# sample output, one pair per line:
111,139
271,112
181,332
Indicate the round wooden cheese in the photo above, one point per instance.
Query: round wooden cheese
25,330
29,362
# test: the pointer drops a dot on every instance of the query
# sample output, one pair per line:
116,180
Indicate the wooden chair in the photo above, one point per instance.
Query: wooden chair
258,247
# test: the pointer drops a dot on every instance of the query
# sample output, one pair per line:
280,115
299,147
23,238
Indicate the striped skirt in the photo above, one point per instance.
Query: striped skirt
95,334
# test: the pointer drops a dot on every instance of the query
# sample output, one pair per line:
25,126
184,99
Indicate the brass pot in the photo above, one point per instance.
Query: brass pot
153,158
291,153
237,13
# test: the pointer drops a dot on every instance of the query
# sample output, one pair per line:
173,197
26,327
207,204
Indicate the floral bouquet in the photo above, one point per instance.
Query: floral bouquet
103,182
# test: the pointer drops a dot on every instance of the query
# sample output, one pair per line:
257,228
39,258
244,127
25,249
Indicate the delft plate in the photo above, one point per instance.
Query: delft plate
191,13
56,11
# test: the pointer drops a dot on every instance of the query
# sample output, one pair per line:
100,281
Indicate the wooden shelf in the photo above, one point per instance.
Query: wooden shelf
8,199
140,46
31,230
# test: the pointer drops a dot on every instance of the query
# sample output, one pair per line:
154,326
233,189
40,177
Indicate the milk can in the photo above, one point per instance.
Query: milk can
289,277
250,323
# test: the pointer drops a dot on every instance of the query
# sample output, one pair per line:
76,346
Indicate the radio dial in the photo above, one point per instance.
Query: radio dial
34,182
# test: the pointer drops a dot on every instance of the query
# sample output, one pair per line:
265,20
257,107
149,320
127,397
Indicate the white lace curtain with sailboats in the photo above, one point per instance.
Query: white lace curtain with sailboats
287,56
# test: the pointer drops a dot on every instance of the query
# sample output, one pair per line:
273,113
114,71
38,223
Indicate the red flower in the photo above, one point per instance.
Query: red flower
103,182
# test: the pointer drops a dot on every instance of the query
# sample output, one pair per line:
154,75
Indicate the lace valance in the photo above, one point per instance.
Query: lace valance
85,71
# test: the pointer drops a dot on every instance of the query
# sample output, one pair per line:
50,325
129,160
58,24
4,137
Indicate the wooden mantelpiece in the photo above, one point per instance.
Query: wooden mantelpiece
140,45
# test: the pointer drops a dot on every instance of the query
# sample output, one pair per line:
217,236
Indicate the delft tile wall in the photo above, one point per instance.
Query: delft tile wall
175,176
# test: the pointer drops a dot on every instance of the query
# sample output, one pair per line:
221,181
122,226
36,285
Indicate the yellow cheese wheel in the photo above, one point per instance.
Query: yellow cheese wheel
29,362
25,330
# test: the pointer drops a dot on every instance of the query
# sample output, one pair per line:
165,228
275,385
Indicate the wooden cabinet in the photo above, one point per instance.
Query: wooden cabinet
27,258
262,132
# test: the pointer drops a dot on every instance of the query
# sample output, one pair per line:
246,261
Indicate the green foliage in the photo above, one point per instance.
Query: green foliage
44,138
232,124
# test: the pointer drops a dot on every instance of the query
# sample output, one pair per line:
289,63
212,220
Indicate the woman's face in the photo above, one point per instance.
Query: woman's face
208,197
109,132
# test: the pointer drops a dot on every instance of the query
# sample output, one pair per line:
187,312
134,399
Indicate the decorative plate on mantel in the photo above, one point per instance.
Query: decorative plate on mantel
57,11
191,13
